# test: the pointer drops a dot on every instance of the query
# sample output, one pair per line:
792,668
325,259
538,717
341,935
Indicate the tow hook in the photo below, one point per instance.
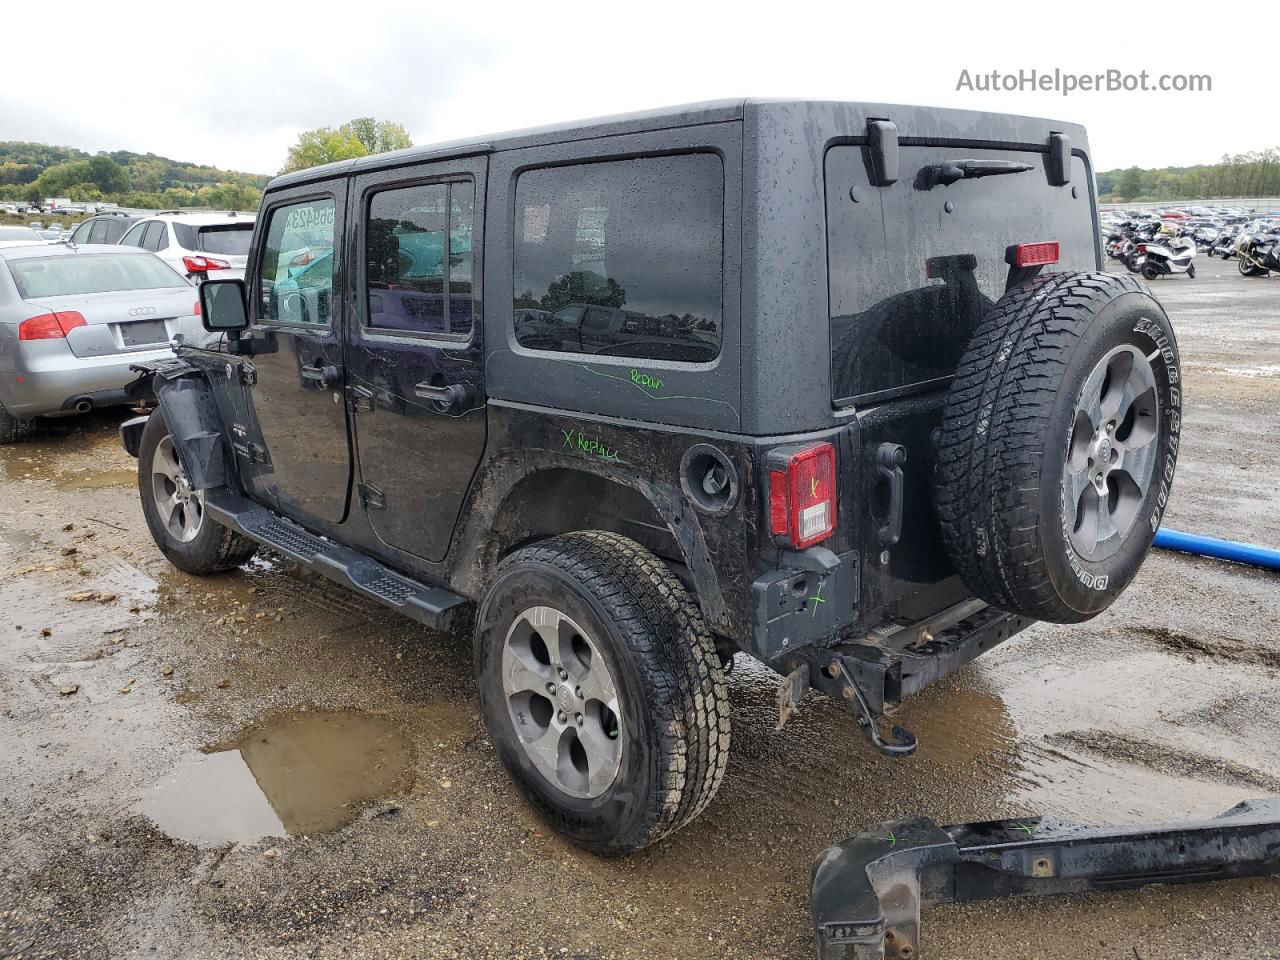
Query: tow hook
903,743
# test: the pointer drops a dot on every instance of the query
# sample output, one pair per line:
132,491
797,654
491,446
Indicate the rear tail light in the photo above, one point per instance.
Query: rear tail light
1036,254
204,264
50,326
802,495
196,309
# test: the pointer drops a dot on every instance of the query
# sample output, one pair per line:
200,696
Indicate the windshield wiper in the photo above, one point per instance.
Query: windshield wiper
948,172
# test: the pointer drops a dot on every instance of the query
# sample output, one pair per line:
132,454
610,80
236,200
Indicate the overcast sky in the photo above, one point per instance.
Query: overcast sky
232,83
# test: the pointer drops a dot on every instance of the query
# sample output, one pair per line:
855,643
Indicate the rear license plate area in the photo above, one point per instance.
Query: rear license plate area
143,332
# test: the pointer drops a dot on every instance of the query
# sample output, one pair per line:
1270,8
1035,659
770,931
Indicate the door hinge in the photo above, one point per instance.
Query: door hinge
257,452
360,400
371,496
248,374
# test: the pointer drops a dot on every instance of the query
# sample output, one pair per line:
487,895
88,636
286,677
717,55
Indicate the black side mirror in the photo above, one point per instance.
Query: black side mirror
223,306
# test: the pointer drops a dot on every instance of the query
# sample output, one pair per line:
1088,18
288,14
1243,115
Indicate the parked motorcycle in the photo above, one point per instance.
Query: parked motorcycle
1122,243
1225,245
1259,253
1166,255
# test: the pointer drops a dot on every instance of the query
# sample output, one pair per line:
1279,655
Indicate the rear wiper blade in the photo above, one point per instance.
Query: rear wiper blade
948,172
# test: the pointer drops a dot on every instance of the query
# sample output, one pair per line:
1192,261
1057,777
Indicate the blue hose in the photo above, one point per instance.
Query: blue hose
1221,549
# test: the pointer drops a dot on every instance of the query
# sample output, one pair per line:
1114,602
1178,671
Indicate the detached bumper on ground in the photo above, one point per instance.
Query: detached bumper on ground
868,890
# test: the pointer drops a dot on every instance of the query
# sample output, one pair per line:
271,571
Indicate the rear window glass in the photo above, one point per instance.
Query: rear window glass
622,258
232,239
91,273
914,266
19,233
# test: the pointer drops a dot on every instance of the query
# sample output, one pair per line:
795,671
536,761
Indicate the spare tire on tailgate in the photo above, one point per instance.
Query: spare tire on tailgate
1058,444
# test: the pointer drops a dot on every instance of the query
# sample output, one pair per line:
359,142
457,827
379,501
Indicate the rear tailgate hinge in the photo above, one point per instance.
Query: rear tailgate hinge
882,143
371,496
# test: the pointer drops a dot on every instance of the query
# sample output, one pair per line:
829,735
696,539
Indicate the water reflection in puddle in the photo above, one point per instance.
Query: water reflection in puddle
289,775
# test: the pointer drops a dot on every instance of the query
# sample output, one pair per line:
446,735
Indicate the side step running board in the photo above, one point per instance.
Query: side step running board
433,606
867,891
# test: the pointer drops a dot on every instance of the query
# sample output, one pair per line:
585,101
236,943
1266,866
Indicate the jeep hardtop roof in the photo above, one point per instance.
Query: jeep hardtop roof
778,116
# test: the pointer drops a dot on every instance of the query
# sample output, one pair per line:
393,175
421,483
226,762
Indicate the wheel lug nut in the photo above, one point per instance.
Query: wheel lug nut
564,674
577,718
577,692
551,688
561,717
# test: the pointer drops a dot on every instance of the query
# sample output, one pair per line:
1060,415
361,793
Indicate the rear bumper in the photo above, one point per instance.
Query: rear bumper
889,667
40,383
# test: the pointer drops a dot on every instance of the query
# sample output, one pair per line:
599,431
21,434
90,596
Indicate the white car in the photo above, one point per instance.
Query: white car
18,236
200,246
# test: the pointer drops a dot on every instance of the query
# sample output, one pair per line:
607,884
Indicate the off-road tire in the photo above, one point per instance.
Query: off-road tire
215,549
672,694
14,429
1004,440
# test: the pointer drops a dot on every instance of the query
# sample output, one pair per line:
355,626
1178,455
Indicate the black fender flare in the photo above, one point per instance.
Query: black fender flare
185,399
476,557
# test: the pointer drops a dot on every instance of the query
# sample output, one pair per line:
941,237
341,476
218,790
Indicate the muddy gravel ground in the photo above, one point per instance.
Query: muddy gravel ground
261,765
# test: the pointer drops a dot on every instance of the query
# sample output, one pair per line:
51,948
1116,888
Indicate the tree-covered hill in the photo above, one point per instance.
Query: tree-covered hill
31,171
1242,175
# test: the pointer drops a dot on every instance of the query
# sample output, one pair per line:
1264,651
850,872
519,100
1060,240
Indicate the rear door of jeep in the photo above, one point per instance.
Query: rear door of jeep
913,265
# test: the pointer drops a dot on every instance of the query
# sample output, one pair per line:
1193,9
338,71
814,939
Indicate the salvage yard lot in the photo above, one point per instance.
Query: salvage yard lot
117,671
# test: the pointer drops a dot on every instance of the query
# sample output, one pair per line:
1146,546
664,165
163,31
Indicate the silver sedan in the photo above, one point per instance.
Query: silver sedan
73,319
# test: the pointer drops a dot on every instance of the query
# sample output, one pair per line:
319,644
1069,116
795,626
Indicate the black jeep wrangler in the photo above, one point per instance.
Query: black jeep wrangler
634,395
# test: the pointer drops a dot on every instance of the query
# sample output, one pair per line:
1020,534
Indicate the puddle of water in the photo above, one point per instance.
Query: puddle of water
1264,370
96,479
292,774
18,541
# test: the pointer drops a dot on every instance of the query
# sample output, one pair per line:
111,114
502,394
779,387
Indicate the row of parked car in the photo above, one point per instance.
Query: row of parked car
77,311
192,243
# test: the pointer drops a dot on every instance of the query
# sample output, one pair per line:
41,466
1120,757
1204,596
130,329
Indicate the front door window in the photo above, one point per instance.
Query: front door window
296,280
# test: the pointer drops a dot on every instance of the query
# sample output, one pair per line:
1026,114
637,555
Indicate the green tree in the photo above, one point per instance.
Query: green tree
1129,185
178,197
322,145
233,196
107,174
355,138
58,179
85,193
378,136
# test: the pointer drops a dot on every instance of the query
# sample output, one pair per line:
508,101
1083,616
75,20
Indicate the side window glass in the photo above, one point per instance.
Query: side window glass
161,239
462,218
150,238
81,234
98,232
114,231
622,258
418,245
134,237
295,283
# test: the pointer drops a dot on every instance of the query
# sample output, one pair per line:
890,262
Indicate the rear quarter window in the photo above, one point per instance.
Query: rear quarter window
622,258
